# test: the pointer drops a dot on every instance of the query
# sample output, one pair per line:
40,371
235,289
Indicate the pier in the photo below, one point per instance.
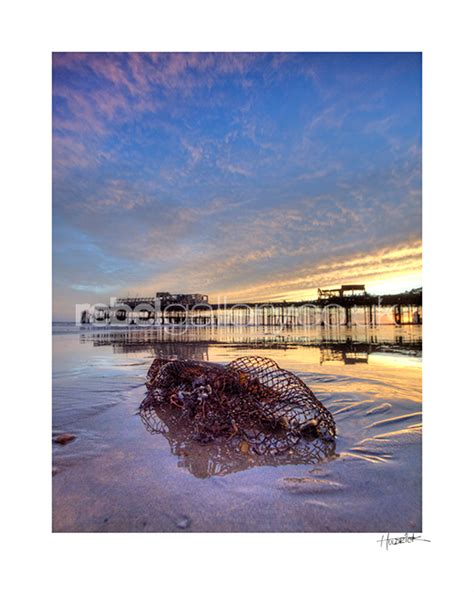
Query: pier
347,305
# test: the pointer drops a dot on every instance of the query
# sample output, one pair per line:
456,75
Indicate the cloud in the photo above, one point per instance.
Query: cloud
235,169
195,152
380,126
71,152
329,118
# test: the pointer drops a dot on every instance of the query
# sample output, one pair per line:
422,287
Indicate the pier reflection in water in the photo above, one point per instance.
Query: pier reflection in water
352,345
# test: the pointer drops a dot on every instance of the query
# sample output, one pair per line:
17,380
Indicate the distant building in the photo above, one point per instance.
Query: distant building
185,299
344,291
165,298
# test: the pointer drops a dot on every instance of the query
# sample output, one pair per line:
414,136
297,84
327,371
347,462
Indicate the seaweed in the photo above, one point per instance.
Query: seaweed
251,404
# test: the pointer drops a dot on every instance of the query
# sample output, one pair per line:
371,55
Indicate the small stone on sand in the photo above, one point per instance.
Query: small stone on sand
183,522
64,438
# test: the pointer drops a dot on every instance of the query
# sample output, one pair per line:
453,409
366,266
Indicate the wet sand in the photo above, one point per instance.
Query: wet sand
117,477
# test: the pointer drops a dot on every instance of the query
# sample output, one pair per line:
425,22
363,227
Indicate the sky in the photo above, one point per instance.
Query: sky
254,177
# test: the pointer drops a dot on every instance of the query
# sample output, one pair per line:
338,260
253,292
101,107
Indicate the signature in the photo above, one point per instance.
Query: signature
388,541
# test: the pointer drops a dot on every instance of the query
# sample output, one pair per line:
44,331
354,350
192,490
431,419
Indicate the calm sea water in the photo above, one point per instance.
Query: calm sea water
116,476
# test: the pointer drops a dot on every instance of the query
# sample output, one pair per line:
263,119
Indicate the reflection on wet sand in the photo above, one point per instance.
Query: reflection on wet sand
227,456
348,353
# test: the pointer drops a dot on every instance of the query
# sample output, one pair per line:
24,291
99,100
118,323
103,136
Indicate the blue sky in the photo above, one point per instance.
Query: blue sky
251,176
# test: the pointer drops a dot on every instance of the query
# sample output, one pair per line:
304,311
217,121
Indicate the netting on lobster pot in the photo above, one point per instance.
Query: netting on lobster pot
228,455
250,402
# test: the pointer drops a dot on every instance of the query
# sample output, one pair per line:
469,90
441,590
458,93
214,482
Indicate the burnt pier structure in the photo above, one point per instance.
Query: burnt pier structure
348,305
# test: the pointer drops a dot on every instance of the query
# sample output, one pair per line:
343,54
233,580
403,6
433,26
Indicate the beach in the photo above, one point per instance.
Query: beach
115,476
